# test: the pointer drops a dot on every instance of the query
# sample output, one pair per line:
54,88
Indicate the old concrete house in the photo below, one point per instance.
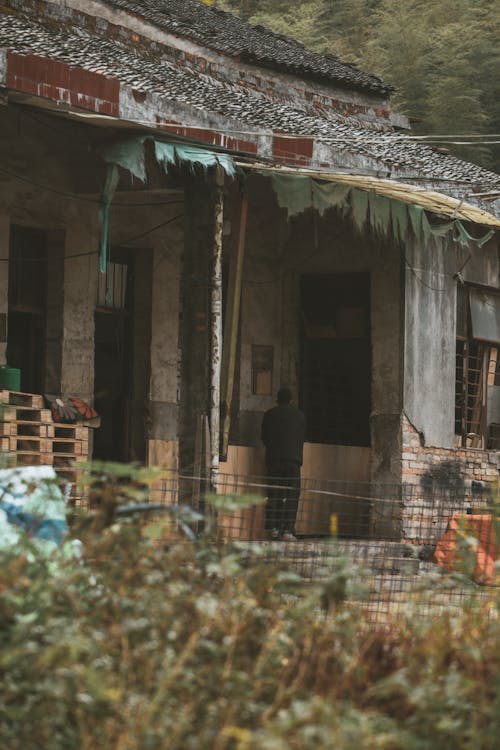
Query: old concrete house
194,211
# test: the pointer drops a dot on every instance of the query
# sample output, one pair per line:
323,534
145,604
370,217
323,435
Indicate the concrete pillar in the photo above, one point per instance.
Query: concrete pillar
165,339
385,420
140,353
55,308
80,293
195,326
4,283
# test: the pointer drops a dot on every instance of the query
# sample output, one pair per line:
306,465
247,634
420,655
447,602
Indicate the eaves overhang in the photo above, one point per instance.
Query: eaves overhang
429,200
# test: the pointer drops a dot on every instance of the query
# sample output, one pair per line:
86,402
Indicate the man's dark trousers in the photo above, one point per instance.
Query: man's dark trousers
283,496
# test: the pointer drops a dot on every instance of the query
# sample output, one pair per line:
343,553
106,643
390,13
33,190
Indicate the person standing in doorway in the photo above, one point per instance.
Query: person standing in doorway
282,433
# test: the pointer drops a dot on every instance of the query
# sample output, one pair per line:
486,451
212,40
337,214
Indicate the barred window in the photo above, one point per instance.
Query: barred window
477,371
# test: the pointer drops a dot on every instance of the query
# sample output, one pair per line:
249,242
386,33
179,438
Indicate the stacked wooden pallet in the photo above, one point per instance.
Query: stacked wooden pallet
30,437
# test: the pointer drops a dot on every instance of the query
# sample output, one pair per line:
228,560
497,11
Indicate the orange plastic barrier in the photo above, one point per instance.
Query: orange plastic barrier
482,528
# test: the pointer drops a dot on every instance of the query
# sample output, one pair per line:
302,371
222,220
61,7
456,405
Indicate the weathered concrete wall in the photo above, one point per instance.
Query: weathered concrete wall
156,310
430,312
493,404
80,293
34,153
55,161
195,325
278,252
164,387
438,479
265,314
430,332
140,353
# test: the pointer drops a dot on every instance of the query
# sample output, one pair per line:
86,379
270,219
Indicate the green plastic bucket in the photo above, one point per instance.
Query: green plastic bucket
10,378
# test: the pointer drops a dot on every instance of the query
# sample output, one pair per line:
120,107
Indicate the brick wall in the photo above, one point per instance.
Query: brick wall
438,482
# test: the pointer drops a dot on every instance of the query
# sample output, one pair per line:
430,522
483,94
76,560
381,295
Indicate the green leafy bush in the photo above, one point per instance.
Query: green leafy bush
150,642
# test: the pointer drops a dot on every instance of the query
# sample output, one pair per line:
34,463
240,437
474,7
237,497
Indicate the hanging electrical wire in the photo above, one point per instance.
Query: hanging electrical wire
84,198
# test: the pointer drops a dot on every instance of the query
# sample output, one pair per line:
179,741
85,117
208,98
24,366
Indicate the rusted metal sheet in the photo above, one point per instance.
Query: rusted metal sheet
60,82
485,315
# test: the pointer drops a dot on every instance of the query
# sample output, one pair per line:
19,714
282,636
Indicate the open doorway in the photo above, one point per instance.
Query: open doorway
27,307
112,358
336,358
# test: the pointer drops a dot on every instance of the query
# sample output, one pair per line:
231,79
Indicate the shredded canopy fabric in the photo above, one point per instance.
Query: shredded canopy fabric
168,154
129,154
107,197
384,215
296,193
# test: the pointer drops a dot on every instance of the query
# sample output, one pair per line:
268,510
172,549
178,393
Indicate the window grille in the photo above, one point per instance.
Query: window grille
113,287
477,367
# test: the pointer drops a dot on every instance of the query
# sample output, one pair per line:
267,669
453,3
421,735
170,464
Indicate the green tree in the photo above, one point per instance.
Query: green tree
442,56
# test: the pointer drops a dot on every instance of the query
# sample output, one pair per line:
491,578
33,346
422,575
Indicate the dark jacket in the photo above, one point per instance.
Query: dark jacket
282,433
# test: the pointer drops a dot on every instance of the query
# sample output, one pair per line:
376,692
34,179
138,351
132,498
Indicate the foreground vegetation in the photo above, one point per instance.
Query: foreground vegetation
151,642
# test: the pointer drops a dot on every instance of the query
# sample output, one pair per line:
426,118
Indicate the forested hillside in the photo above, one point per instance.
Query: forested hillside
443,56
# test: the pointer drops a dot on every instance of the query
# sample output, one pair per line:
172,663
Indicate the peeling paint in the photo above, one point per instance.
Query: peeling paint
63,83
216,323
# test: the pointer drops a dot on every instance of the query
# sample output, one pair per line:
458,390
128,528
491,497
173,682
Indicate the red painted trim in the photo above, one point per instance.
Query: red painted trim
60,82
211,137
296,151
237,144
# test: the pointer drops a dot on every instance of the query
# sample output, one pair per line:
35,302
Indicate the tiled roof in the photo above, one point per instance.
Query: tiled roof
231,35
181,87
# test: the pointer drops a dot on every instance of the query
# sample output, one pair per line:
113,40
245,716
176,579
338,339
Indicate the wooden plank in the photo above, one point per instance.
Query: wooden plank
28,429
25,414
231,326
492,367
7,429
66,459
14,398
243,463
32,458
322,463
70,446
71,431
30,443
328,463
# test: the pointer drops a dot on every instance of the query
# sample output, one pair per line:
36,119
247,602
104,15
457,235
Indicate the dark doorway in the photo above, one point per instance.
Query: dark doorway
336,358
113,356
27,305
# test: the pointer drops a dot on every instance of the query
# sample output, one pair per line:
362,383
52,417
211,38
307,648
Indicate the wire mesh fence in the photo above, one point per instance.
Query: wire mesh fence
399,546
395,547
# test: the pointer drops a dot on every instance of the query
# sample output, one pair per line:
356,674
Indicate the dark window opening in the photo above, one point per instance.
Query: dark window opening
470,393
113,347
27,305
113,289
478,334
335,390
